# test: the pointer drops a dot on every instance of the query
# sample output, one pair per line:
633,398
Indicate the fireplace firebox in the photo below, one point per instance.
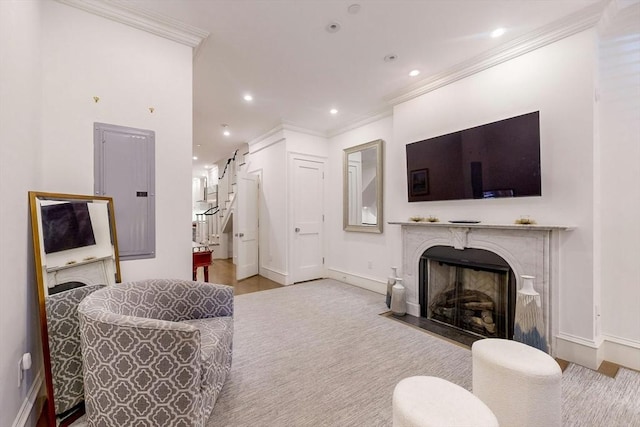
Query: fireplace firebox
469,293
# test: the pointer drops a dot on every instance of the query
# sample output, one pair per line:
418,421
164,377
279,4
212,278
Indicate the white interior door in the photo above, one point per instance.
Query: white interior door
308,218
246,226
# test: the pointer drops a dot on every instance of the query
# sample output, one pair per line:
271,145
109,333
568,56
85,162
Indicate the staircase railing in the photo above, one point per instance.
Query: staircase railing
208,222
229,160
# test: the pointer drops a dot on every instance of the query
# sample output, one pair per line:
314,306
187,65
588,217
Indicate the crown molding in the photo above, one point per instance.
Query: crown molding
370,118
614,10
292,127
141,19
282,127
268,134
608,14
557,30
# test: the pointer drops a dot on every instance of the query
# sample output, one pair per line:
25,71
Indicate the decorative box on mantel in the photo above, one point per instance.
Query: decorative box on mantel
529,249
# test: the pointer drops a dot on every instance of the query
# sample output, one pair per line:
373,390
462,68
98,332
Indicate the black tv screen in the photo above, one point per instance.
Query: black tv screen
66,226
499,159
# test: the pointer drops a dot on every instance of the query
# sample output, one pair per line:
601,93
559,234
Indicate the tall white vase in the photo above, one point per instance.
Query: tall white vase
398,298
390,282
528,325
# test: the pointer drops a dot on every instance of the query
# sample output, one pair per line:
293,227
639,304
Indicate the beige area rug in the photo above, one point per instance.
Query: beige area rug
592,399
319,354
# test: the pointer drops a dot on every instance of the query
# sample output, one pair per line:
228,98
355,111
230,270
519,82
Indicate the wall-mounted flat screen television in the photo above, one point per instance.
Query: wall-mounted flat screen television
66,226
499,159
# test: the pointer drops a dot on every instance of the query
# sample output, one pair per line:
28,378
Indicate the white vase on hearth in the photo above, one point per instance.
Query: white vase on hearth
391,280
398,298
528,325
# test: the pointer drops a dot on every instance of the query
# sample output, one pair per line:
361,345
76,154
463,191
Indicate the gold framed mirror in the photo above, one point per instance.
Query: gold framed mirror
75,253
362,187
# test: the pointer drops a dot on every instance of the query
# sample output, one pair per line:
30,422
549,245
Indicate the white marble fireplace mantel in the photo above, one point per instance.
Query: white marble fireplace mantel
529,249
532,227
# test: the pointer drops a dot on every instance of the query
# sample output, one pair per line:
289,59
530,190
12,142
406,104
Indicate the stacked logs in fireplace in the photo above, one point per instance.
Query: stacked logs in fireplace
468,309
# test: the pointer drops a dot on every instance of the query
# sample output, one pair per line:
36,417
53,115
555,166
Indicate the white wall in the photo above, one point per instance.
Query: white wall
558,80
130,70
268,158
20,135
304,143
349,254
54,59
619,184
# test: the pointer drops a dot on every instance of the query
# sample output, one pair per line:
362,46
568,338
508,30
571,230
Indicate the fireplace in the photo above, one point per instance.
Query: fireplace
516,250
471,291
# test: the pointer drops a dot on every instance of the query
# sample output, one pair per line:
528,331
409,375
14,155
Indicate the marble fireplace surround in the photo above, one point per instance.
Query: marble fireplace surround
529,250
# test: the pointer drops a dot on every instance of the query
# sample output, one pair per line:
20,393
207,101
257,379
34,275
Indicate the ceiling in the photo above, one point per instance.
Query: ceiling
281,53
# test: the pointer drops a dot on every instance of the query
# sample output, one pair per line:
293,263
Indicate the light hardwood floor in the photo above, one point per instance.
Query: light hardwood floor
224,272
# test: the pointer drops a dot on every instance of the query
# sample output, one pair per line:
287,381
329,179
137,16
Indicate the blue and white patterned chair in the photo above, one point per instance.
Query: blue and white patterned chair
155,352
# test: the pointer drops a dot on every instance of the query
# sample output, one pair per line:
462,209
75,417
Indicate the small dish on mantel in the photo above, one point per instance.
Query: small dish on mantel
525,220
416,218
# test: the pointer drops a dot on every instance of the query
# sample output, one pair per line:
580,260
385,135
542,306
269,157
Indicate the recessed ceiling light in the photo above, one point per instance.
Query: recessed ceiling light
333,27
198,145
414,73
390,57
225,130
195,157
498,32
248,97
333,111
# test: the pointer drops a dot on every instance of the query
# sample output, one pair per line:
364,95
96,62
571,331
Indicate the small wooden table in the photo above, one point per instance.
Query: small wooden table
202,258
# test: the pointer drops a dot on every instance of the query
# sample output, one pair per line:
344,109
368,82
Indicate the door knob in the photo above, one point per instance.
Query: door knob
241,235
297,230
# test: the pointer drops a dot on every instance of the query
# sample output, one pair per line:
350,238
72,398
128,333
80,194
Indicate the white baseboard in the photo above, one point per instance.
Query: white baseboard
622,351
359,281
274,275
28,405
578,350
591,353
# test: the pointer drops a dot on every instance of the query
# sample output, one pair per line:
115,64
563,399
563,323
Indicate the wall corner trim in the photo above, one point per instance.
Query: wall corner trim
275,275
141,19
590,353
28,404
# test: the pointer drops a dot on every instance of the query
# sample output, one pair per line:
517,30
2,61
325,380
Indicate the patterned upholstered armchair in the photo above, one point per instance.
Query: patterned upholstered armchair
155,352
64,346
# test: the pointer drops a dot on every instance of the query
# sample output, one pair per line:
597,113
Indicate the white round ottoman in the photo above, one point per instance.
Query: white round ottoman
434,402
521,384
